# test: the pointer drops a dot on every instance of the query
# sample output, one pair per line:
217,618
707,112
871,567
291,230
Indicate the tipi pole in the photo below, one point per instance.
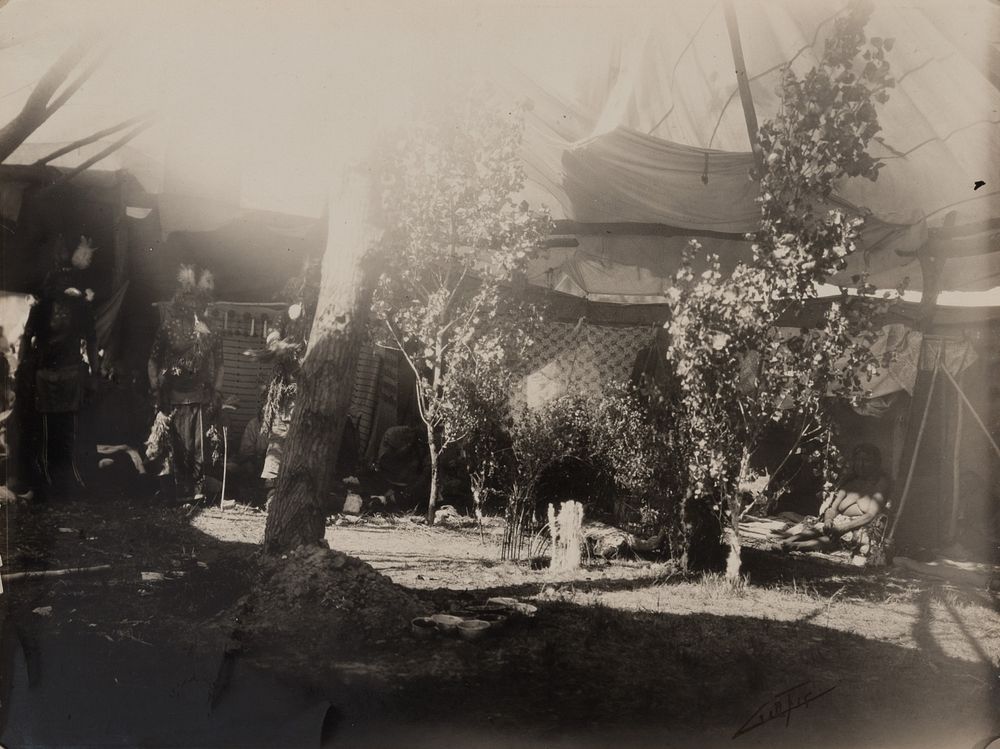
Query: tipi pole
930,268
121,142
749,113
225,466
956,457
916,448
972,411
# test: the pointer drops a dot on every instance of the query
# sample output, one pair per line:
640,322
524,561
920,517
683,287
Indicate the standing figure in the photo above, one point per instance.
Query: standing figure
59,328
279,400
185,372
285,350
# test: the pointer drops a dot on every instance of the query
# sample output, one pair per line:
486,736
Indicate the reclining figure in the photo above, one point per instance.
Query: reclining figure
847,512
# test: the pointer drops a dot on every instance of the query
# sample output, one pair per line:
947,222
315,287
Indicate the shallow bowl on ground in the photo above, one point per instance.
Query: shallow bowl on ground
423,626
473,629
446,622
494,616
501,602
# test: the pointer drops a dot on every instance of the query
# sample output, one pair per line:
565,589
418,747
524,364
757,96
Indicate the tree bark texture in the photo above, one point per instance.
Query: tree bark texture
432,436
297,513
734,561
566,531
434,455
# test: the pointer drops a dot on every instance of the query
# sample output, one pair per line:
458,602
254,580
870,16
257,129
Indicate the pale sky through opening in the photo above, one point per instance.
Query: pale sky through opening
329,74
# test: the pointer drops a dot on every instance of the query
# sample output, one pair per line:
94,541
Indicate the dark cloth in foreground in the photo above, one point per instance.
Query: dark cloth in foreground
59,458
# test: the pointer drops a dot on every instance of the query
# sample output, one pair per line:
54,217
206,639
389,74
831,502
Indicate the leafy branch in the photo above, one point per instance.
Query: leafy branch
819,137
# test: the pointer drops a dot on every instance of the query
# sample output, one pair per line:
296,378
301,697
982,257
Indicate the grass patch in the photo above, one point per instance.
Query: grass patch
716,586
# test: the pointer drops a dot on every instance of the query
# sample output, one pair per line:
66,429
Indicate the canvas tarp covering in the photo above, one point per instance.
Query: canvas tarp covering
635,115
673,80
623,268
667,80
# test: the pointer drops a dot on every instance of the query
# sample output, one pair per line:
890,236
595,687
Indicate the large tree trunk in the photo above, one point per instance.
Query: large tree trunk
297,512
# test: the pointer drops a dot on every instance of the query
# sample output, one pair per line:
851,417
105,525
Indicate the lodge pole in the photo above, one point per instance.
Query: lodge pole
975,415
930,269
92,138
955,474
118,144
749,113
956,454
916,447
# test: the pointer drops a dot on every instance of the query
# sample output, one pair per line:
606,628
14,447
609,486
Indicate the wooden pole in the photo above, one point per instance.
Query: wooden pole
931,268
225,466
39,574
81,142
749,113
119,271
916,448
956,453
105,153
975,415
956,470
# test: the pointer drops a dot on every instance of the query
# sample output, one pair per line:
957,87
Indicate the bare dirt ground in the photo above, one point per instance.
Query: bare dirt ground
231,649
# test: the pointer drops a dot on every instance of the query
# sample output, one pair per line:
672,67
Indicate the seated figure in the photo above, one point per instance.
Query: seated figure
402,457
243,469
846,513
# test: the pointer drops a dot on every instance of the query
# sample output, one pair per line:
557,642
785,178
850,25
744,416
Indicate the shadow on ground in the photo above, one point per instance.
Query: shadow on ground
158,667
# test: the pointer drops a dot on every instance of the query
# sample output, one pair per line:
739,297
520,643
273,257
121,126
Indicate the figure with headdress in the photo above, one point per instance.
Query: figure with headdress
284,351
185,372
60,327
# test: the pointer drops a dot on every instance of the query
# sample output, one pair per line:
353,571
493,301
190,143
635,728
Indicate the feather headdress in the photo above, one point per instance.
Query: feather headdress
84,253
207,282
186,277
193,292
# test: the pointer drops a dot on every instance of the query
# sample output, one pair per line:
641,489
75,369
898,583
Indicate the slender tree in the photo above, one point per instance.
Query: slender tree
456,240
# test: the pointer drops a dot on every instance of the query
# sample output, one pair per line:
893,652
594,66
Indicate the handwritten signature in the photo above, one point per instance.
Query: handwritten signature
781,704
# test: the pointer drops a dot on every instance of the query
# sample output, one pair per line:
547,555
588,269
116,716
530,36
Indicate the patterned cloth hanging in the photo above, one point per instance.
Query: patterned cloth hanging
578,358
